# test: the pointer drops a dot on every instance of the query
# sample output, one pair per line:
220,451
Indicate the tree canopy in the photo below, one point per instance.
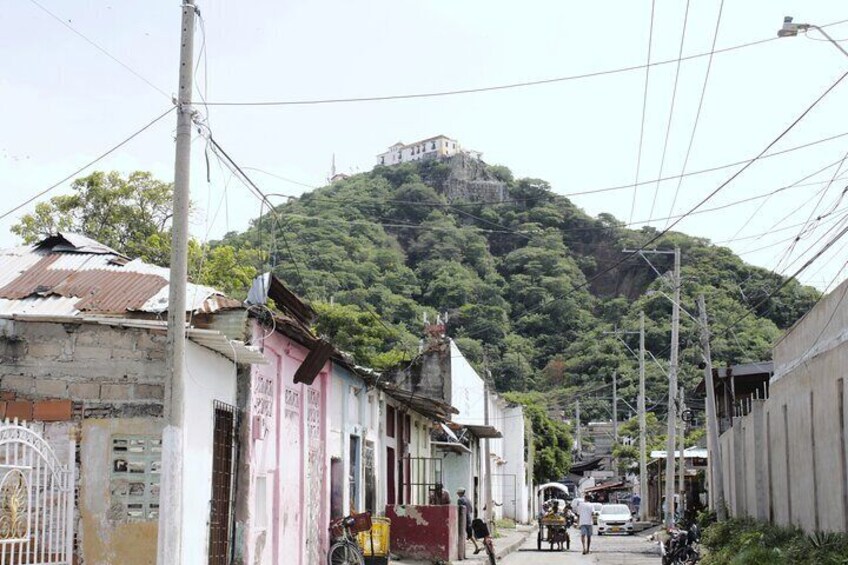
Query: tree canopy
530,285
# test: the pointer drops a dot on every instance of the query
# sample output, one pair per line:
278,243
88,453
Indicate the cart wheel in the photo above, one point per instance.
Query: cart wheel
539,541
568,543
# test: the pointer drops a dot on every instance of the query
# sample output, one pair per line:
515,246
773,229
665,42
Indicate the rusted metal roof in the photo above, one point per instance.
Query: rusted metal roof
68,274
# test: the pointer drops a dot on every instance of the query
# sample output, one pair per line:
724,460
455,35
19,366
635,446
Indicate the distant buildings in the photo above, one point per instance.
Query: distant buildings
438,147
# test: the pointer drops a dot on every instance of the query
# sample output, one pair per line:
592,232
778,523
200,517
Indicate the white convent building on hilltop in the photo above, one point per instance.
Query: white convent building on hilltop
438,147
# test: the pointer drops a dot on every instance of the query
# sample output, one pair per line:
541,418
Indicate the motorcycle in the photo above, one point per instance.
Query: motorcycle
681,547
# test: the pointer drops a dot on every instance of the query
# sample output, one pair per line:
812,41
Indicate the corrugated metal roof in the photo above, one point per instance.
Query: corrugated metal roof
96,278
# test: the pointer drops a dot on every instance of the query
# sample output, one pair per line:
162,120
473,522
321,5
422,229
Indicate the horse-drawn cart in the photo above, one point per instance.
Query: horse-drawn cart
554,518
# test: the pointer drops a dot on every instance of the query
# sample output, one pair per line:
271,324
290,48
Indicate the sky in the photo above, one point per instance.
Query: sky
74,85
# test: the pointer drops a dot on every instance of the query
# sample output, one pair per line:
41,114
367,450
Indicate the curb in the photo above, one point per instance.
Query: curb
514,545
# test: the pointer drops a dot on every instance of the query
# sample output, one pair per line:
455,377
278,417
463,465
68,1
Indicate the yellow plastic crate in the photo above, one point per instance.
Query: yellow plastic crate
380,534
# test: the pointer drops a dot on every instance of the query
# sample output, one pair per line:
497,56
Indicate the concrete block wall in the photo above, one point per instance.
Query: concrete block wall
787,460
104,371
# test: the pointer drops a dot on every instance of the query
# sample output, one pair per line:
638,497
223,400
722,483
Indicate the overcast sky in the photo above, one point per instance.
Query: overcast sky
65,102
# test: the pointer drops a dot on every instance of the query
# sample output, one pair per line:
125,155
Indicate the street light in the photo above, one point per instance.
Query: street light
791,29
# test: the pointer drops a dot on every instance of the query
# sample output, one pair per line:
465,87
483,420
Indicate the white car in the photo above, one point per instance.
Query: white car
575,503
615,519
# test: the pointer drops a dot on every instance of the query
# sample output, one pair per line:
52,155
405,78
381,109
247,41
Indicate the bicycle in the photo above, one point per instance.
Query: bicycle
481,532
345,550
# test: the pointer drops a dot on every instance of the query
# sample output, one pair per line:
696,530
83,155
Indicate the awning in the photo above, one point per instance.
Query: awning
484,432
618,485
450,446
588,465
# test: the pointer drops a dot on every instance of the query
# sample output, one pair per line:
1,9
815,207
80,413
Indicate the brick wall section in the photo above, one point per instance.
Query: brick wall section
98,371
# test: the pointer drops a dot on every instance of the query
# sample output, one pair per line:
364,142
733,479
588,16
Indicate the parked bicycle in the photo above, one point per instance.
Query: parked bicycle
481,532
345,549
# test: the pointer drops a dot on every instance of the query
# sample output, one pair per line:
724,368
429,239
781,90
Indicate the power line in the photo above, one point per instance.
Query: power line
248,182
263,197
407,96
748,199
87,165
552,195
813,211
791,278
671,108
700,107
718,189
644,110
100,48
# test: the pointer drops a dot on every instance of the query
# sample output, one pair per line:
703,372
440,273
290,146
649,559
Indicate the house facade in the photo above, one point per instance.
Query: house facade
438,147
475,432
322,438
84,360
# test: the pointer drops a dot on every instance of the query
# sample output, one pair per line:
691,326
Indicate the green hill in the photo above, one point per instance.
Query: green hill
516,269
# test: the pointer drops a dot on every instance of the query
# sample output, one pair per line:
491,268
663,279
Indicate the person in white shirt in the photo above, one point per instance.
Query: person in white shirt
584,513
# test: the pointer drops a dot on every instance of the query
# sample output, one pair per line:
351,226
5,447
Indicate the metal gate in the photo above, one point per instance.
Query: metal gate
223,457
36,499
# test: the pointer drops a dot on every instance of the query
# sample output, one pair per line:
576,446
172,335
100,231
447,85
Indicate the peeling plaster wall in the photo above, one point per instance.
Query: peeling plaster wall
424,532
283,489
106,541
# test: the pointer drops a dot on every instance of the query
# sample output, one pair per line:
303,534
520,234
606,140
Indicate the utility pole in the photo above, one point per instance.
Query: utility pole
643,459
579,439
713,446
672,374
487,493
615,416
681,445
672,393
170,529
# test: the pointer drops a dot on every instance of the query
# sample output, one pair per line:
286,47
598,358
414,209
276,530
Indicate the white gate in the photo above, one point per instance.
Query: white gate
36,499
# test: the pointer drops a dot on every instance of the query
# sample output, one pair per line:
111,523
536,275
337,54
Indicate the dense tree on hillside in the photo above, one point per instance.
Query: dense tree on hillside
529,285
552,440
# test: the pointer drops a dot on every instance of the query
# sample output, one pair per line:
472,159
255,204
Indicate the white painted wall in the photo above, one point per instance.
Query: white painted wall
467,391
514,448
209,377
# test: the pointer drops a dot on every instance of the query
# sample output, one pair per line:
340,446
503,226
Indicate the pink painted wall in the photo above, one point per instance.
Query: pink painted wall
289,456
424,532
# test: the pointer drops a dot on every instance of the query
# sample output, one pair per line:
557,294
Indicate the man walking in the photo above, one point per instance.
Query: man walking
439,496
584,513
462,500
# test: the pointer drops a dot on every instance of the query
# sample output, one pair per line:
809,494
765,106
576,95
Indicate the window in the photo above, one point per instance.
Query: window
433,145
370,479
136,465
390,421
336,488
353,474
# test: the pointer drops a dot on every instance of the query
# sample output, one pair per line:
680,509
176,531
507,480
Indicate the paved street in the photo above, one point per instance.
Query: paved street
606,550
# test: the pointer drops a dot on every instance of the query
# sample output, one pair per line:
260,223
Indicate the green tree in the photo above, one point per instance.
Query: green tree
132,215
121,212
551,438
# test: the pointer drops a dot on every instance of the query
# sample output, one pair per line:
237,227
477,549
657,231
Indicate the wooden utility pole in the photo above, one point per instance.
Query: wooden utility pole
579,438
487,493
672,375
713,445
615,416
170,537
672,393
681,445
643,456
